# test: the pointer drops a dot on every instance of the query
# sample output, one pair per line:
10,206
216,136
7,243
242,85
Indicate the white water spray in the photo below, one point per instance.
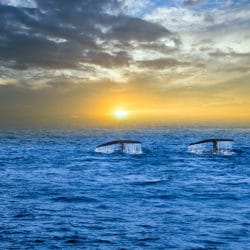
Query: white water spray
132,148
128,148
109,149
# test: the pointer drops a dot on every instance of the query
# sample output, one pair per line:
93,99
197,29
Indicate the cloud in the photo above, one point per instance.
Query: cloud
70,34
211,19
162,63
129,29
108,60
19,3
213,37
139,7
233,54
192,3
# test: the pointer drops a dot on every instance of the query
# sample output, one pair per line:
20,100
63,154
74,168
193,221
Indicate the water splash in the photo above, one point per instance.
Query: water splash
224,148
109,149
133,148
128,148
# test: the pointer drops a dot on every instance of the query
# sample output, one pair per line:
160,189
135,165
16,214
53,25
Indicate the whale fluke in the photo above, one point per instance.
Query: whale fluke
215,142
123,146
117,142
211,140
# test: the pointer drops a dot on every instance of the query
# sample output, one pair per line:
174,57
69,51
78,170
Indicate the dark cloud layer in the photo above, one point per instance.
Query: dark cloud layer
162,63
65,35
222,54
192,3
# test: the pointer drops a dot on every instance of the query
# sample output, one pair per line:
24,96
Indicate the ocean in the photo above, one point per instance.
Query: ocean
56,192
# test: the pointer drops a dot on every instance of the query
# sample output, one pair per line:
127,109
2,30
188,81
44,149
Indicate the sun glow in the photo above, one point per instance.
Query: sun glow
120,114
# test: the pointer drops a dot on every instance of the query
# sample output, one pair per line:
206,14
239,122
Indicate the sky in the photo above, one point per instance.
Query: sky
76,63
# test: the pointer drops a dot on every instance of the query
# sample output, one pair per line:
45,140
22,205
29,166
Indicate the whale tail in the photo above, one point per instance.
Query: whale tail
123,146
217,144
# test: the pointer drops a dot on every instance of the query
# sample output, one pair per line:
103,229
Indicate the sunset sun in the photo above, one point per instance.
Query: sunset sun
120,114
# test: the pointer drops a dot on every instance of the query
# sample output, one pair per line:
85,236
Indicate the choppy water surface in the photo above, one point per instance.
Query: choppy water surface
56,192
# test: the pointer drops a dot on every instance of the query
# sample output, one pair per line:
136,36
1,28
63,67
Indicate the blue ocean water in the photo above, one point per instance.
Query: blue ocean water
57,193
